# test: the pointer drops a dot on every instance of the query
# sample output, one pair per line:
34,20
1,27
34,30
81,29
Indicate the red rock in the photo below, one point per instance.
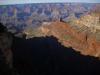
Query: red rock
81,41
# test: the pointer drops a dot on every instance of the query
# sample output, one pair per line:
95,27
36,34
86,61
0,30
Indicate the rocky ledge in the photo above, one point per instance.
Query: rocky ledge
76,34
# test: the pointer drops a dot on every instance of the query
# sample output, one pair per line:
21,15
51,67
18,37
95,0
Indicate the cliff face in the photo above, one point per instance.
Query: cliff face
5,44
83,41
5,52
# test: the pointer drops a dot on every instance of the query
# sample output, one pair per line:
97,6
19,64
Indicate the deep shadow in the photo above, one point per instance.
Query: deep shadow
46,56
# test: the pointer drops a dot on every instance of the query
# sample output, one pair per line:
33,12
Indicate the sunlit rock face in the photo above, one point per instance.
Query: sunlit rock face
83,40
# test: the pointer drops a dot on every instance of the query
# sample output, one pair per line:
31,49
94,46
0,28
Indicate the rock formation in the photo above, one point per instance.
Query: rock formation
5,44
76,36
6,55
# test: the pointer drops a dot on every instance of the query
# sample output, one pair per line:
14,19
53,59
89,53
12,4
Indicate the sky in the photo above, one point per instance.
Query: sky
7,2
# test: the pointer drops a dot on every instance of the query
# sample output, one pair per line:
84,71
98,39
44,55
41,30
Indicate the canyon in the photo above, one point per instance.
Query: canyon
50,39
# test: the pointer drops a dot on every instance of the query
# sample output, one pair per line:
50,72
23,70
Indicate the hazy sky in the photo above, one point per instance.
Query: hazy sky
4,2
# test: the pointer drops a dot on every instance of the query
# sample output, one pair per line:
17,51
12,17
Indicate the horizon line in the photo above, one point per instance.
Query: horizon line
14,2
